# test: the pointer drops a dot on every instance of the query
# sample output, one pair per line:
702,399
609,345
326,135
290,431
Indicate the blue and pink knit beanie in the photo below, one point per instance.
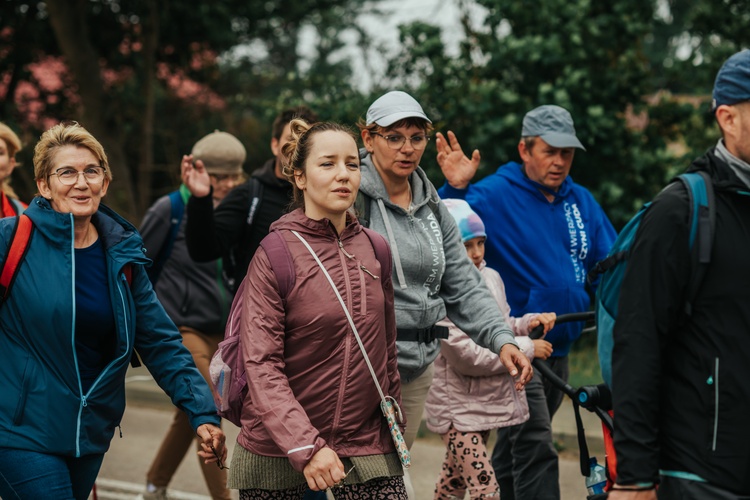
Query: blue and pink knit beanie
469,223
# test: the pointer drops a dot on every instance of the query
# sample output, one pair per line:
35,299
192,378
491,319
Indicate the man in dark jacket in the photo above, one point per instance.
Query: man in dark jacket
235,228
680,382
193,297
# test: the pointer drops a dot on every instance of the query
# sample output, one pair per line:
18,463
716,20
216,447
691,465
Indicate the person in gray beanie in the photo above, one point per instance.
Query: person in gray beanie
679,380
192,295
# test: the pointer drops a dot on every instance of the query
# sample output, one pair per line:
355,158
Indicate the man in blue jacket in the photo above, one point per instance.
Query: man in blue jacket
544,233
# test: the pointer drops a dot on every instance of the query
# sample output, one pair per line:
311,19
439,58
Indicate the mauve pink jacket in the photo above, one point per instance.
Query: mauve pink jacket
309,386
472,390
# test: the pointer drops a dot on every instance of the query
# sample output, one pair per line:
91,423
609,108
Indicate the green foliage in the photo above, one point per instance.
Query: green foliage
592,58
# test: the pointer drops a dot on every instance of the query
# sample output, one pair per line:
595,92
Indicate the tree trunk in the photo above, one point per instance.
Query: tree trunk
150,45
68,20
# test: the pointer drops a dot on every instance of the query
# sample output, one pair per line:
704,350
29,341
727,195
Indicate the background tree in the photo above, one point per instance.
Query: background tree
143,73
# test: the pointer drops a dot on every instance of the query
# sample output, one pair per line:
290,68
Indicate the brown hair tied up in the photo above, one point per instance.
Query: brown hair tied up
295,152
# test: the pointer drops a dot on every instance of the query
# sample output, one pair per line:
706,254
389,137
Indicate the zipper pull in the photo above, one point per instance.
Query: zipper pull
367,271
83,401
341,246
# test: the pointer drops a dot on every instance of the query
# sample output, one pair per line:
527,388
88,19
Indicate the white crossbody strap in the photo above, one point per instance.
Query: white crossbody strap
346,311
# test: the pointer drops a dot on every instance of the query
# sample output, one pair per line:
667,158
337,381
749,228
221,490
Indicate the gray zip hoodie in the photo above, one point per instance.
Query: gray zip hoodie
432,275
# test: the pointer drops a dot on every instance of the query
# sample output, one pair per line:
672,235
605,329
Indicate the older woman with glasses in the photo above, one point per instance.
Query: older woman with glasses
432,276
80,304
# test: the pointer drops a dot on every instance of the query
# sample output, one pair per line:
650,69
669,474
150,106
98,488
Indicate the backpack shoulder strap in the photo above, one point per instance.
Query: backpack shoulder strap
281,262
17,249
702,225
256,197
362,208
177,212
382,251
18,207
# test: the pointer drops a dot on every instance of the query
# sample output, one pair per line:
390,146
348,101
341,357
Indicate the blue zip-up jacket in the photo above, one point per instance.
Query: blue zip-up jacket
542,250
42,407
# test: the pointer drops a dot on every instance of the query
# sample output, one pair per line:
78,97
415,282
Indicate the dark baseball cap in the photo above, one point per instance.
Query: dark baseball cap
553,124
732,83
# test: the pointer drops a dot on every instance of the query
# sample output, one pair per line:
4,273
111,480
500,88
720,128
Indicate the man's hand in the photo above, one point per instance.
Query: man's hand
212,443
457,168
546,319
195,176
516,362
324,470
632,495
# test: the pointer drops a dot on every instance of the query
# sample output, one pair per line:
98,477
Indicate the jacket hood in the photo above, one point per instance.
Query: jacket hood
724,178
119,237
514,173
372,185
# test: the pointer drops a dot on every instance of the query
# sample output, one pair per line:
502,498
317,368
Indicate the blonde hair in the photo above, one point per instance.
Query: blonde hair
295,152
59,136
13,143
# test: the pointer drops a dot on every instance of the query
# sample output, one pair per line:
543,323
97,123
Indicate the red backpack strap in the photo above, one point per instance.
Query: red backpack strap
16,252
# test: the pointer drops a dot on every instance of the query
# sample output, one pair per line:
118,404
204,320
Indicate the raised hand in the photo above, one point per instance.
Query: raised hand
195,176
457,168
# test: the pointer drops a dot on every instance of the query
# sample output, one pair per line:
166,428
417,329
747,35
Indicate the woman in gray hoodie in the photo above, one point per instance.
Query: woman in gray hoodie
432,276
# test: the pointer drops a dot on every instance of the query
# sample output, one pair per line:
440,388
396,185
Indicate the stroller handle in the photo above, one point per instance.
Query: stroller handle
595,399
538,331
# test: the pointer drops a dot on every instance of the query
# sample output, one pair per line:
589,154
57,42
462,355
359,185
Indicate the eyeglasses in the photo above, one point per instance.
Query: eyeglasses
418,142
69,176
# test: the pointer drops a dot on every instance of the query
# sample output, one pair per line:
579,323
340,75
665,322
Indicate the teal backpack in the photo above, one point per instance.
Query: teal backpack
612,269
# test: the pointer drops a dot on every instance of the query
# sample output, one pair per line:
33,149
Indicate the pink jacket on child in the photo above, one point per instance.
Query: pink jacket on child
472,390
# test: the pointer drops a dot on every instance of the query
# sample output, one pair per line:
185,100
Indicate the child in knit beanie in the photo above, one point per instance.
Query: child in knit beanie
472,392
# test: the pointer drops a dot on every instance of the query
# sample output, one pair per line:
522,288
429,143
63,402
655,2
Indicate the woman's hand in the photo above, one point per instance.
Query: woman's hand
213,441
195,176
515,361
542,349
545,319
457,168
324,470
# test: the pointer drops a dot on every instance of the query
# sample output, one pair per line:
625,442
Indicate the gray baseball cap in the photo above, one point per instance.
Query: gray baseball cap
392,107
553,124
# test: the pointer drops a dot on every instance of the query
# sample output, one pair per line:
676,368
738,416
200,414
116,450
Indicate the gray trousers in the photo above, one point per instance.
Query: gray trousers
524,458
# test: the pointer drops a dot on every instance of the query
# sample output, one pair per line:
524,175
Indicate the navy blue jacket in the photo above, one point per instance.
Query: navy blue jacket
42,407
542,250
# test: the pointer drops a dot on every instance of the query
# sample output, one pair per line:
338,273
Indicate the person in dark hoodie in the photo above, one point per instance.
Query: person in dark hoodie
195,297
680,382
235,228
544,233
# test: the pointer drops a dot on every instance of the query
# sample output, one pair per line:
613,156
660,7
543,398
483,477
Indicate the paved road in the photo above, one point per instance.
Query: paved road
145,422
